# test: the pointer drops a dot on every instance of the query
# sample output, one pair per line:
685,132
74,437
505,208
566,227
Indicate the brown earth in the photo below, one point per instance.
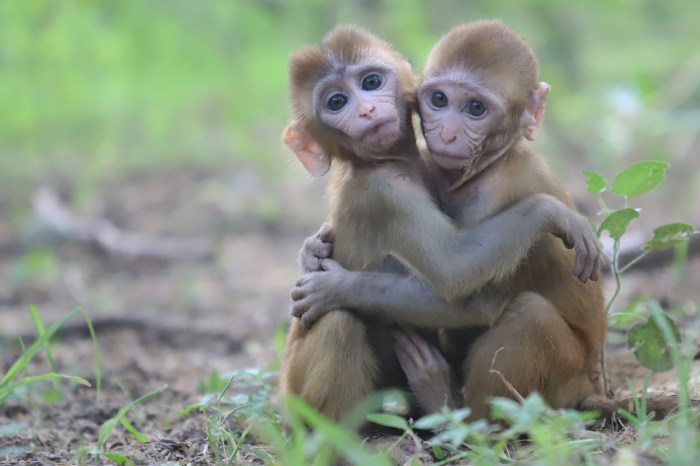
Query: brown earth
175,322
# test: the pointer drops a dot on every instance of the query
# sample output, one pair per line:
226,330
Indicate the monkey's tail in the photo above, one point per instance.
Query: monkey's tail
609,408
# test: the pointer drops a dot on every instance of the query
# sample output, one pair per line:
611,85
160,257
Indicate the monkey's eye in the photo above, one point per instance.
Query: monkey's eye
336,102
371,82
438,99
476,108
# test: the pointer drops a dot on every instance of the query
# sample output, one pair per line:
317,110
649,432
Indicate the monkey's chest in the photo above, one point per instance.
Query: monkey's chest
474,202
359,249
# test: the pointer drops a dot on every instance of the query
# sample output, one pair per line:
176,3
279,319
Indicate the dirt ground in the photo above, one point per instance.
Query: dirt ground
173,322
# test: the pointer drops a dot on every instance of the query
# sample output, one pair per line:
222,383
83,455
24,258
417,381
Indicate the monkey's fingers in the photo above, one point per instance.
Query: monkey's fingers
315,248
596,267
301,281
584,259
326,233
590,265
299,308
297,293
312,314
568,239
329,265
438,359
422,346
404,353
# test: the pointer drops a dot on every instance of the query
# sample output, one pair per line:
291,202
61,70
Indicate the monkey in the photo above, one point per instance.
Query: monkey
480,105
352,100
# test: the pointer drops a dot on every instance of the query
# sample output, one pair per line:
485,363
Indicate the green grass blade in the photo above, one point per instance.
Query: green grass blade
213,445
96,351
116,458
133,430
342,439
40,342
10,387
40,330
109,424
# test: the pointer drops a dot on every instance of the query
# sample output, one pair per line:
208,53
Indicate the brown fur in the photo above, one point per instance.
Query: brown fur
491,52
551,333
343,46
380,208
335,364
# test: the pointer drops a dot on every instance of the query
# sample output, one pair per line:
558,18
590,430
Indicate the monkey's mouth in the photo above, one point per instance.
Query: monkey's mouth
378,127
446,154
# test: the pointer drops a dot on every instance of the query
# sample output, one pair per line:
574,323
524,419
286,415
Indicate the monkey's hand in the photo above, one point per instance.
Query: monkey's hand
575,232
315,249
317,293
427,371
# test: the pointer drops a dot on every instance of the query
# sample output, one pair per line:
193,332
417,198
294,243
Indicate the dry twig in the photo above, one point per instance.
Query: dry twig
54,213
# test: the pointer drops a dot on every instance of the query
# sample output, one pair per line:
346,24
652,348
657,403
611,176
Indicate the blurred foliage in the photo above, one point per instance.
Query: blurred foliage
90,88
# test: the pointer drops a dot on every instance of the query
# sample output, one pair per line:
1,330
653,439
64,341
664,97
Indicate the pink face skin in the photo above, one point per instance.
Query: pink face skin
362,102
459,119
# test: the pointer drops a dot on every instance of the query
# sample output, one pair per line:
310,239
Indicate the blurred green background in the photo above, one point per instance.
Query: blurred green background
93,89
163,117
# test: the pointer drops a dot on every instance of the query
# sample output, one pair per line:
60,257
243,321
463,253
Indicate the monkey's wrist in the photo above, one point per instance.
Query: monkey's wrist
347,291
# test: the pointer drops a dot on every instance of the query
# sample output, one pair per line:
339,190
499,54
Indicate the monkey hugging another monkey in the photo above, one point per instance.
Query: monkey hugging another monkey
465,247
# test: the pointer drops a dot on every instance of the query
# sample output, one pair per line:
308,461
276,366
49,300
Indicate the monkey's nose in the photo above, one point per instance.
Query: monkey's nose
367,110
448,137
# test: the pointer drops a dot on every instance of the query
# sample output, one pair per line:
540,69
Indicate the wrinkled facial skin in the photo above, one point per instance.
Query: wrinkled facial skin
362,102
461,121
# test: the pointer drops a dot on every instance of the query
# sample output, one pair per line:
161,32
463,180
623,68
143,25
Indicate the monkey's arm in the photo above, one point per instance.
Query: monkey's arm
391,297
457,263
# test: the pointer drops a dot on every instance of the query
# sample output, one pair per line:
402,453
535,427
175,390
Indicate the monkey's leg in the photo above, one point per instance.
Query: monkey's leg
532,348
332,365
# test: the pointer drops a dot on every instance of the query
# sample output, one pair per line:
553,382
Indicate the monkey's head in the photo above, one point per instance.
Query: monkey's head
478,95
351,96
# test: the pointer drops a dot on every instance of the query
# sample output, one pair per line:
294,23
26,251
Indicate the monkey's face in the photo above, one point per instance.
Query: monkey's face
462,120
362,103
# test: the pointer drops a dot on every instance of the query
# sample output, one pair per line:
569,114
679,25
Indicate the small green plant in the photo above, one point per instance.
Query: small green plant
646,339
120,418
479,442
297,436
17,376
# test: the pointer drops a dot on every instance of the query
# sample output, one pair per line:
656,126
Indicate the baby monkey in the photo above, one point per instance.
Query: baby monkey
352,99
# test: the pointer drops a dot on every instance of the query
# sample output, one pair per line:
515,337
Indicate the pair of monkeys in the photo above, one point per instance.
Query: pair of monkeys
466,245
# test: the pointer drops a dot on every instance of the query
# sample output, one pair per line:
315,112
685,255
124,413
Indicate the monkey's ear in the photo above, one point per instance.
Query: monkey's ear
309,153
532,118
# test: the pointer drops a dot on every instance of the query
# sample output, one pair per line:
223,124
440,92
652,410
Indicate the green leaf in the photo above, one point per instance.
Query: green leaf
388,420
667,236
342,439
649,346
431,421
640,178
616,223
437,451
109,424
634,310
595,182
116,458
130,428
